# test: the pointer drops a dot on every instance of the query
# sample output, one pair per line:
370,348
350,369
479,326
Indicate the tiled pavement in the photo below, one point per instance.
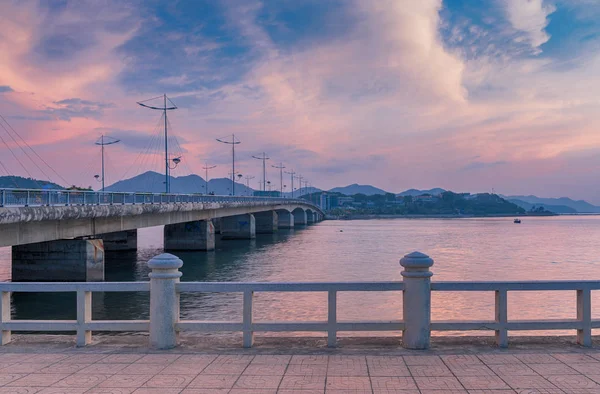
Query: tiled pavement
194,373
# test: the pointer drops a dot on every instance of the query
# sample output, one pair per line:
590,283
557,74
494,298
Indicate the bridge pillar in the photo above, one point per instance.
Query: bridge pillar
285,219
310,217
120,240
266,222
238,227
65,260
217,223
299,217
196,235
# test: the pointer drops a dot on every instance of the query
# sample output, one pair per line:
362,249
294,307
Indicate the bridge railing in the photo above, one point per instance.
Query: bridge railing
416,325
37,197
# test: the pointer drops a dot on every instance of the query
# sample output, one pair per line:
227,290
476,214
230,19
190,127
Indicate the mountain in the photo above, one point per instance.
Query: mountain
358,189
153,182
18,182
552,208
416,192
579,206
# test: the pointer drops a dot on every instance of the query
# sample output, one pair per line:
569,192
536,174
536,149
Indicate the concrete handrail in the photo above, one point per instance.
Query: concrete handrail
165,322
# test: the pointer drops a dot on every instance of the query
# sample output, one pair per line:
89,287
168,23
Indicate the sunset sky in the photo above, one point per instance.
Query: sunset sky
468,95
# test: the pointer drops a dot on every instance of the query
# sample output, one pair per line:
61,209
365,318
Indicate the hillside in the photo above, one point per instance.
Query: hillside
350,190
552,208
153,182
26,183
416,192
580,206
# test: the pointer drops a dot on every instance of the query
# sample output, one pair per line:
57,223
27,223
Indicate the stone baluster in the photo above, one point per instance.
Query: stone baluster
416,300
164,300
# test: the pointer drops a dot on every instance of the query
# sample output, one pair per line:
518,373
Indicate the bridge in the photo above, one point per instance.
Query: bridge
62,234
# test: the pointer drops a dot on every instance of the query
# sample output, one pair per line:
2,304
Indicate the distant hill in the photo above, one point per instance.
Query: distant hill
552,208
579,206
26,183
153,182
416,192
350,190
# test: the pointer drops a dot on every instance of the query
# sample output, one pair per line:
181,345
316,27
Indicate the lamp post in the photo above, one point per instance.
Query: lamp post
264,159
233,143
206,168
103,143
280,167
292,175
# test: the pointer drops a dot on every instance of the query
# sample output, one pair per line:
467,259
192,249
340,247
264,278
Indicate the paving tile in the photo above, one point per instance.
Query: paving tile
125,381
25,368
205,391
465,359
19,390
48,358
227,359
63,390
103,368
537,358
592,368
196,359
204,381
429,370
390,370
63,368
225,369
569,382
253,391
423,360
470,370
81,380
122,358
482,382
385,360
456,391
309,359
540,391
271,359
341,359
490,359
158,359
84,358
508,391
347,370
183,369
393,383
166,380
517,369
15,357
306,369
437,383
348,383
142,369
112,390
300,391
311,382
163,390
527,382
38,380
573,358
258,382
265,369
392,391
552,369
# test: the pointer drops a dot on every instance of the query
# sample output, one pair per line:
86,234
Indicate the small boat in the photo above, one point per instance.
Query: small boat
517,220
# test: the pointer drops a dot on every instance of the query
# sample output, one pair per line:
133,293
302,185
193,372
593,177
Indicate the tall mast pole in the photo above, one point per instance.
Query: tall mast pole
292,174
264,159
206,168
102,143
233,143
281,167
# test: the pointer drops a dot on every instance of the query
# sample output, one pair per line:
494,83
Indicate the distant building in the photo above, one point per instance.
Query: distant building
342,201
325,202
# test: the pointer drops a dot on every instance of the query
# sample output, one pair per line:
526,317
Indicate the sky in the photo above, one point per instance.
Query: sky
467,95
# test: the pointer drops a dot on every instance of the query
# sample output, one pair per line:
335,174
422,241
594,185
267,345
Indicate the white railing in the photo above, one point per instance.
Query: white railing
37,197
165,322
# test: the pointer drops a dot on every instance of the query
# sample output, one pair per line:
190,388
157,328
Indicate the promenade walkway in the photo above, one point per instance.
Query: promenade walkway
119,366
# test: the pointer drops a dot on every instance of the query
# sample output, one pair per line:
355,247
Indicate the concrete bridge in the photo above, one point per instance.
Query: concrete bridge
62,235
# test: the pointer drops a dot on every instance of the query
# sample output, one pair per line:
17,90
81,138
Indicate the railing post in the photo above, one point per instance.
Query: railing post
332,318
584,315
3,200
84,316
5,316
247,319
502,318
164,300
416,300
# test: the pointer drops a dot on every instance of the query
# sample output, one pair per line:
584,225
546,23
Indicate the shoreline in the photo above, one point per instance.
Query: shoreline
442,216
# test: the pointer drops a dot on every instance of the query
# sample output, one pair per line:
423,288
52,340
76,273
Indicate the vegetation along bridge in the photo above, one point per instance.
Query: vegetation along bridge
62,234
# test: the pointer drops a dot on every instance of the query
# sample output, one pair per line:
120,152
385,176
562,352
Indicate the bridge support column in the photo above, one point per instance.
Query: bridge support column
285,219
196,235
238,227
217,223
120,240
299,217
310,218
65,260
266,222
